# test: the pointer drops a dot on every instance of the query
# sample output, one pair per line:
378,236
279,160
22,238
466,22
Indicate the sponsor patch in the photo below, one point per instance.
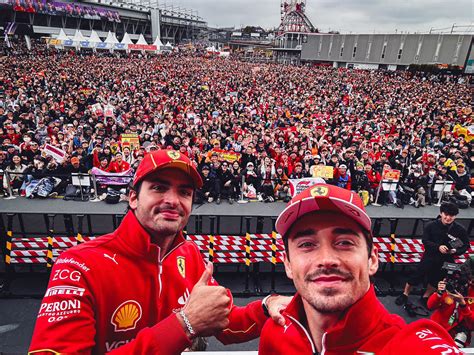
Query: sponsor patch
64,290
73,261
181,262
126,316
319,191
66,274
56,311
109,346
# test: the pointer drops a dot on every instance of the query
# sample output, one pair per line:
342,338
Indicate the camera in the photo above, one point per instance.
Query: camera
457,280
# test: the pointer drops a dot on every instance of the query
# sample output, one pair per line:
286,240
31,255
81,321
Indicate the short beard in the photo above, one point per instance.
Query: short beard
328,301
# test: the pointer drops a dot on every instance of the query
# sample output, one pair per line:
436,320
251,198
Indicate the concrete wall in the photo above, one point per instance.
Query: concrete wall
389,49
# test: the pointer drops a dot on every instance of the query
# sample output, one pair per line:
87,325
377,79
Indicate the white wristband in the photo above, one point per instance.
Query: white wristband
187,323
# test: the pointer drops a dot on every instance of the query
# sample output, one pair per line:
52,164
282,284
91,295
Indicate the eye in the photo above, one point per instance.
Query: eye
345,243
305,244
187,193
159,188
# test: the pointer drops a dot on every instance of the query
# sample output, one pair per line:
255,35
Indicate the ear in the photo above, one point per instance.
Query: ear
133,200
286,262
373,261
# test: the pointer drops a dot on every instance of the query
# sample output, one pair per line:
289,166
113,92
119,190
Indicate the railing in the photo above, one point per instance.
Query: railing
251,243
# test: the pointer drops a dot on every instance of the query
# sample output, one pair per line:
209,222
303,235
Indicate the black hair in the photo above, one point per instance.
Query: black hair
449,208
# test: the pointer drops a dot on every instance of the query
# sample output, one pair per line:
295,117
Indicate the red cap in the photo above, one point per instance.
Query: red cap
323,197
161,159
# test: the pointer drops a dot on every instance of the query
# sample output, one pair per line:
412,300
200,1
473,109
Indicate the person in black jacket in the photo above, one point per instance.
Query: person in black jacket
438,239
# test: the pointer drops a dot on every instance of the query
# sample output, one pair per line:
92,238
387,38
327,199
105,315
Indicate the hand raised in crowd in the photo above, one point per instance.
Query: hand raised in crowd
443,249
442,286
458,297
207,308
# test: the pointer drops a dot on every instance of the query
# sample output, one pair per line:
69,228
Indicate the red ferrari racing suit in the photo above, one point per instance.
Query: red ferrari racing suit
118,292
366,327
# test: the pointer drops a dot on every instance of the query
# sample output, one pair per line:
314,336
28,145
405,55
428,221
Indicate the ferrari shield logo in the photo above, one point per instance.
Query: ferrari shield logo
180,260
173,154
319,191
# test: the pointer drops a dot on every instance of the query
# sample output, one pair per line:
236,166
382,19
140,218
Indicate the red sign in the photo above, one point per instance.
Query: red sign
391,174
142,47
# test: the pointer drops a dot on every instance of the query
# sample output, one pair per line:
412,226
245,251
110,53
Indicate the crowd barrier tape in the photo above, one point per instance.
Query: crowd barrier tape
221,249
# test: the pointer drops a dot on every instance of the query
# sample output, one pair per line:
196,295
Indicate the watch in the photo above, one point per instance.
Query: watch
264,305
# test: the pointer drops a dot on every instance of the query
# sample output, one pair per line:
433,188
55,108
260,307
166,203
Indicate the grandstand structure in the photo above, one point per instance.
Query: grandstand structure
40,18
298,41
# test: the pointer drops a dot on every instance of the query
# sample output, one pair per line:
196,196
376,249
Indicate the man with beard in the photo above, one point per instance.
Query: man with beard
330,258
144,289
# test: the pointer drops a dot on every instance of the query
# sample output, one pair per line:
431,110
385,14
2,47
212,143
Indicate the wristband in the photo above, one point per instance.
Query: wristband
187,323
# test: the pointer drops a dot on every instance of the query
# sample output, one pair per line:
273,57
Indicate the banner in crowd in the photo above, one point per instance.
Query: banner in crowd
65,8
130,140
323,171
390,178
299,185
104,178
97,109
142,47
391,175
225,155
109,111
56,153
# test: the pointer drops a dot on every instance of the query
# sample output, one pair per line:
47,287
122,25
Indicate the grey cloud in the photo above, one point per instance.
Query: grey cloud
347,15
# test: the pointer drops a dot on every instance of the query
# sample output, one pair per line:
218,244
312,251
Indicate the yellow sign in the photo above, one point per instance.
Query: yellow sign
130,140
181,262
323,171
126,316
319,191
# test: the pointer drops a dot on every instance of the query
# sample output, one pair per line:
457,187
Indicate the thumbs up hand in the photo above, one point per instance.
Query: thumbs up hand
207,308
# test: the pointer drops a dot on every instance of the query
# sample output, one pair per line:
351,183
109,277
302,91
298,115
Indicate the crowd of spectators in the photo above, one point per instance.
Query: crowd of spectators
271,122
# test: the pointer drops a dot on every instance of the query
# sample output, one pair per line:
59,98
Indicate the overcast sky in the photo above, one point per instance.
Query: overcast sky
344,15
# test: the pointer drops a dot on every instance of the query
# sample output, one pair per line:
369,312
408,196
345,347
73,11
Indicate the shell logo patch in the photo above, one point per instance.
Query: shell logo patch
181,263
173,154
319,191
126,316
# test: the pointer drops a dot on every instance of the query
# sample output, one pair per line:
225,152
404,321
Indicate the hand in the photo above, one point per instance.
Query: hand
276,304
443,249
208,306
458,298
442,286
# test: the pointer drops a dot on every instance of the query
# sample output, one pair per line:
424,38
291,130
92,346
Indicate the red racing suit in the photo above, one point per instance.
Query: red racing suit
118,292
366,327
445,307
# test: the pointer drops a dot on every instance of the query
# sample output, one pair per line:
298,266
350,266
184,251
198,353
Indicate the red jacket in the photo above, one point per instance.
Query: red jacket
445,306
115,167
118,292
366,327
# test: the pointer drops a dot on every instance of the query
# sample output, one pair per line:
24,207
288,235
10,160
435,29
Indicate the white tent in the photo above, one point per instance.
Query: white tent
126,39
158,42
110,41
141,40
94,39
62,35
168,44
78,38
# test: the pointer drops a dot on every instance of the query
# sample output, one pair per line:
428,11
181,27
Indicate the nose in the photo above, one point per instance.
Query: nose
171,197
326,256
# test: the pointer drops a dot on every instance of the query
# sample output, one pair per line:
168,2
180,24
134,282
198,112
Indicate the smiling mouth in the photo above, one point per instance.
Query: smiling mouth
330,280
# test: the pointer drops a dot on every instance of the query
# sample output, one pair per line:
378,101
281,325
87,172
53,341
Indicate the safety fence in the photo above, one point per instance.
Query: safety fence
246,248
